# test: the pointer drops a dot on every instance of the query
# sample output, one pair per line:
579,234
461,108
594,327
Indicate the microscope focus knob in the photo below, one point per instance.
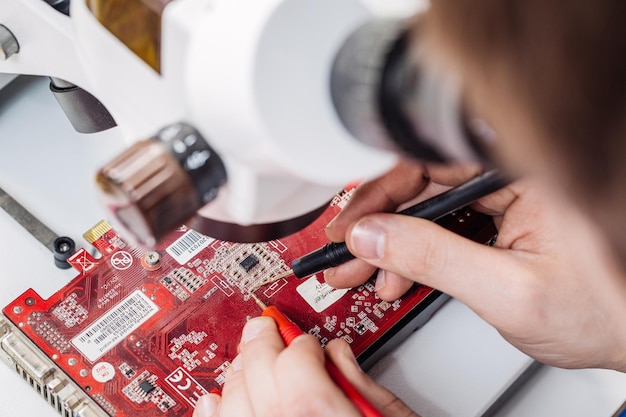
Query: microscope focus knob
159,183
8,43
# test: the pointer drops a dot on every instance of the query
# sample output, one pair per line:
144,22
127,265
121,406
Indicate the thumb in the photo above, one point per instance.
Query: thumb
425,252
207,406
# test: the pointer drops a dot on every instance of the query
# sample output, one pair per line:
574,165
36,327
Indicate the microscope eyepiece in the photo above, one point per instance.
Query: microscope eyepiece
389,96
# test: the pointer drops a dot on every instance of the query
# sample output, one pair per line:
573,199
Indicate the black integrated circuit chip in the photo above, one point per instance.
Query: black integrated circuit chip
249,262
147,387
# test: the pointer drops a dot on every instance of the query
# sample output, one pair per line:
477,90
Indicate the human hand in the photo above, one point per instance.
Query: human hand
269,379
549,285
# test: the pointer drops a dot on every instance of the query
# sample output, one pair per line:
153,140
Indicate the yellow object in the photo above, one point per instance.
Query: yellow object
96,232
137,23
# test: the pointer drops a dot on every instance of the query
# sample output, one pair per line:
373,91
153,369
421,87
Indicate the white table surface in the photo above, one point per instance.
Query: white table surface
454,366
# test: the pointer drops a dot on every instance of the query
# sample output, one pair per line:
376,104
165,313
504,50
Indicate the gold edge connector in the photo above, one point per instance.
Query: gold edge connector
96,232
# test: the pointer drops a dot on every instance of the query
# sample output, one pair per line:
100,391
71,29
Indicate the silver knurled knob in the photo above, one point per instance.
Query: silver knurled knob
8,43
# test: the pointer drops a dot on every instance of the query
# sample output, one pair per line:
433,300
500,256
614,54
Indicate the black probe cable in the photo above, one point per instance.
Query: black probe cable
334,254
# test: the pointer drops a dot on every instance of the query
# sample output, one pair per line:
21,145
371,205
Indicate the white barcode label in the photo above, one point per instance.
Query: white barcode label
115,325
187,246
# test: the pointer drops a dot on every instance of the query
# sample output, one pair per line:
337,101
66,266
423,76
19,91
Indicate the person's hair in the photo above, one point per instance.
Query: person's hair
564,63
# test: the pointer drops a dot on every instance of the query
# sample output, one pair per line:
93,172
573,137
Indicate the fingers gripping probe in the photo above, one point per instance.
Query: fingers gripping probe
289,331
336,253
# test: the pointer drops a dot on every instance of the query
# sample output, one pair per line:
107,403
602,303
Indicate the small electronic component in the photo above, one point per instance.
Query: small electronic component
146,387
190,281
249,262
126,370
175,288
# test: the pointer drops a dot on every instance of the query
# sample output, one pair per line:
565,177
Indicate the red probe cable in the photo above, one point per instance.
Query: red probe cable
289,331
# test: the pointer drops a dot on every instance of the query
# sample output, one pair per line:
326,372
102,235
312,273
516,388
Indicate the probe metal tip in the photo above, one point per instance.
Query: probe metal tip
282,275
272,280
257,300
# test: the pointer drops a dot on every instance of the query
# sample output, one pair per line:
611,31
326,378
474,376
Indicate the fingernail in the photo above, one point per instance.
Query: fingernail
206,406
368,239
381,280
252,329
329,273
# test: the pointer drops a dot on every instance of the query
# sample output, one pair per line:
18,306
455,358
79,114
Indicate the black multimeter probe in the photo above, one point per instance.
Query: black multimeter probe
334,254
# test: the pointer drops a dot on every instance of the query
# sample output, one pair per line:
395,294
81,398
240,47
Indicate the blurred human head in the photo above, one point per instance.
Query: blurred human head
550,77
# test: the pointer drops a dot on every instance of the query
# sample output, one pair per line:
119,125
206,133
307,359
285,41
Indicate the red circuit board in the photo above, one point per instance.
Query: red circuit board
144,342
